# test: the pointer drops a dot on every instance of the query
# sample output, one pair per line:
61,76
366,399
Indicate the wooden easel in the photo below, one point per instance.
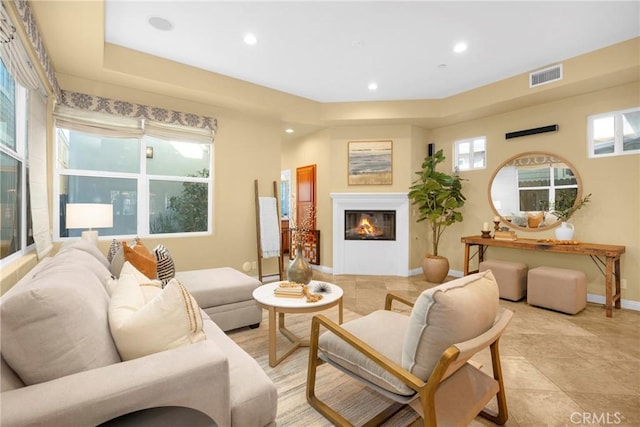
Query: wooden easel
259,235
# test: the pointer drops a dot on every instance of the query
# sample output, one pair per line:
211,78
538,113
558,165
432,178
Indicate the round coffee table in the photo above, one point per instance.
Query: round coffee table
266,299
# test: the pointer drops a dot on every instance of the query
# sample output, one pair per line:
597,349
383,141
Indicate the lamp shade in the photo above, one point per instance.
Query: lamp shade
89,215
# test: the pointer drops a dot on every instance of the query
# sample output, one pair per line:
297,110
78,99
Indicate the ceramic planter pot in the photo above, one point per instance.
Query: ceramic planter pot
435,268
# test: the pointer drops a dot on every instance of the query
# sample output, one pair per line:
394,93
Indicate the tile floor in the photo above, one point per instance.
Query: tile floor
560,370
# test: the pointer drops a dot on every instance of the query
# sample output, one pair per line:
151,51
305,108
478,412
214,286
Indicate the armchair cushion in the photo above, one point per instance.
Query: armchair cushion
384,331
447,314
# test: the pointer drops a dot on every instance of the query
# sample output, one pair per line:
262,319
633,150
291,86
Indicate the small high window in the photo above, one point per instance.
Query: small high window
614,134
470,154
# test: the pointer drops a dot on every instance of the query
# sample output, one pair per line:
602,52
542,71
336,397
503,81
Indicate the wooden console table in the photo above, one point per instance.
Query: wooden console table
611,254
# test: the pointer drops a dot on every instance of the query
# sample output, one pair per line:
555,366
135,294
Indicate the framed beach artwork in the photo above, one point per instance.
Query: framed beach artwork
370,162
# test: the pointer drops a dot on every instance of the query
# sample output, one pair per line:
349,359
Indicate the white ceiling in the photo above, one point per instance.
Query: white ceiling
329,51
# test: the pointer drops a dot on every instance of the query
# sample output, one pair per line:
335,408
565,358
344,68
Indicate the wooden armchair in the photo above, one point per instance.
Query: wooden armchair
423,359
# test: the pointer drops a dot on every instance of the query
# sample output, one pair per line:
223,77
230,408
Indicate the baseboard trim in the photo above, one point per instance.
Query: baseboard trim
625,303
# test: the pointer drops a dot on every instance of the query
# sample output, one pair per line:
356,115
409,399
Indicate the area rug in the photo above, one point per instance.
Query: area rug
354,401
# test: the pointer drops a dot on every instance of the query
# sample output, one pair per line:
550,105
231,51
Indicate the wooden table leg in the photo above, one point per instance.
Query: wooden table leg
609,287
340,312
466,259
618,303
273,361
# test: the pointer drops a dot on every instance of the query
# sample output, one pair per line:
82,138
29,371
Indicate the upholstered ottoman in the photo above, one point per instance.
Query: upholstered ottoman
511,277
225,294
558,289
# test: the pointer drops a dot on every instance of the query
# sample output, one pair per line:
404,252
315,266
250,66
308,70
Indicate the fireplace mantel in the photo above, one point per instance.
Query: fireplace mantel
367,257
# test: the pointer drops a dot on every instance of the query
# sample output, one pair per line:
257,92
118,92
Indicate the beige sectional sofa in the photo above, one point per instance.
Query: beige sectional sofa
61,366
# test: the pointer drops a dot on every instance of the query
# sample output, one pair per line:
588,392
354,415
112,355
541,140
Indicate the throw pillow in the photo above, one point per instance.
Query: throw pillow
168,318
166,267
141,279
113,249
141,258
534,219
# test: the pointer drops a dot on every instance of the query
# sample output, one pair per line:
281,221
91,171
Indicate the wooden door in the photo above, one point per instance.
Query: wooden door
305,192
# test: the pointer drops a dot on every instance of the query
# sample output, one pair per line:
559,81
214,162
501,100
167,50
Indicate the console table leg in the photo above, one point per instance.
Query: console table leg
609,287
618,303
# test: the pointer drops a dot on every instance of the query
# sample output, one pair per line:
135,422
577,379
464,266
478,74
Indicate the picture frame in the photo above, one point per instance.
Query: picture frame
370,162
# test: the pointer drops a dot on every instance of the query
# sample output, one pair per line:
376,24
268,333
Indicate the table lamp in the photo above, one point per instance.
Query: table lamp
89,215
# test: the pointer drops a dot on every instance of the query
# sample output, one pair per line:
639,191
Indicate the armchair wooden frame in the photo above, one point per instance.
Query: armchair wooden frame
451,372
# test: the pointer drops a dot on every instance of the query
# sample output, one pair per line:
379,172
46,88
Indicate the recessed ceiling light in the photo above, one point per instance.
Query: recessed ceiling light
289,130
250,39
160,23
373,86
442,66
460,47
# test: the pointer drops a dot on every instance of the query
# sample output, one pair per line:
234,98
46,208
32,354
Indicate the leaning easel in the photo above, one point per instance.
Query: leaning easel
259,232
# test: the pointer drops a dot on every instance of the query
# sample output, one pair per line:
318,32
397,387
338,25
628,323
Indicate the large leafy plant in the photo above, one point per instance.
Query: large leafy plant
438,196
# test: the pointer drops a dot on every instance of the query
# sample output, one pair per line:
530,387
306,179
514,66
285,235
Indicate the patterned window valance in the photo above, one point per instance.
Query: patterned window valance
31,28
99,104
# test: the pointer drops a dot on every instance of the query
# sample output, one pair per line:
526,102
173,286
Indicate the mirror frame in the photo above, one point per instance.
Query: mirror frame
525,154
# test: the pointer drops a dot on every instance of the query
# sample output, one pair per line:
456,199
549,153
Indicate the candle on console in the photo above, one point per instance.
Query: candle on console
485,226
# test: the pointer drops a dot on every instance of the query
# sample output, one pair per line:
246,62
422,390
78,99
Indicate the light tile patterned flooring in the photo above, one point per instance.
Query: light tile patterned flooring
560,370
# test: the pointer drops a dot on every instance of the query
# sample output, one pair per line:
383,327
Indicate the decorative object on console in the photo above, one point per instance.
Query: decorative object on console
505,235
565,206
486,234
437,196
89,215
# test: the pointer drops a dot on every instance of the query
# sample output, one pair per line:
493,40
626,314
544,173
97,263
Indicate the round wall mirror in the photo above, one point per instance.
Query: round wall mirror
525,188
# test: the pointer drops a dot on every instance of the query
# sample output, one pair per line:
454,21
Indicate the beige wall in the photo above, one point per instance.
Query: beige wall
611,217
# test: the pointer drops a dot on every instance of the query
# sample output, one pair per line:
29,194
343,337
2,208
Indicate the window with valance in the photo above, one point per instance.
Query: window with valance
153,165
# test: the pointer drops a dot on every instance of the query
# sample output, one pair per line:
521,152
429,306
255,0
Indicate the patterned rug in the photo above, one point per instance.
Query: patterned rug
354,401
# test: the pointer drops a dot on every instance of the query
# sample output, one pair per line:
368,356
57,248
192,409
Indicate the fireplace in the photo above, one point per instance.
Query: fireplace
384,249
369,225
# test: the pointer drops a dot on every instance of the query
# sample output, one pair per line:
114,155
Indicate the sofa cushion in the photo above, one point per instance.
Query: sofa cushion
445,315
157,319
84,246
56,324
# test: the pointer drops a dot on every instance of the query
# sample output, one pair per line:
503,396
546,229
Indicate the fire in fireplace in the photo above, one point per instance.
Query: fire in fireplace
369,225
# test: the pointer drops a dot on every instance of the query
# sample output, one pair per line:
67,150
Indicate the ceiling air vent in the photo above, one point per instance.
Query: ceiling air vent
545,76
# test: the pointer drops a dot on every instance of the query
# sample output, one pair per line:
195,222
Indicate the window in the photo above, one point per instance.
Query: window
16,231
615,133
156,186
470,154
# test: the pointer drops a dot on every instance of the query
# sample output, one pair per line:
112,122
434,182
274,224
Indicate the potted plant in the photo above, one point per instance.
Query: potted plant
438,196
565,205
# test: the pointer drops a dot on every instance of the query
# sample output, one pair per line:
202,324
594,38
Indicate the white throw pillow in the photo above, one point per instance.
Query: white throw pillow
155,320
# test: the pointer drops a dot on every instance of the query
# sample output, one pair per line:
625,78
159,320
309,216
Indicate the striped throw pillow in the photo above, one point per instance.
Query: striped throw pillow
113,249
166,267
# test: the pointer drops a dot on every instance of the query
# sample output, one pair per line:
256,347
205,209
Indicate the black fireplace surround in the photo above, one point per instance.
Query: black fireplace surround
369,225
